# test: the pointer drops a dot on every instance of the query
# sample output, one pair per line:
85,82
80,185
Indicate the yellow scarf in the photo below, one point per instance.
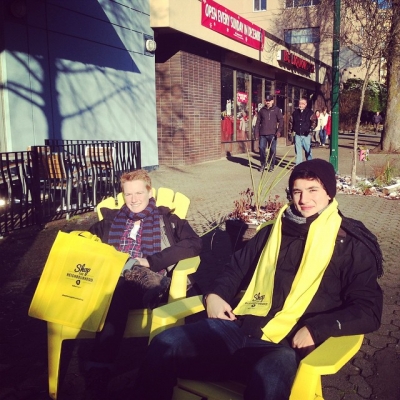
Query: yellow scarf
317,254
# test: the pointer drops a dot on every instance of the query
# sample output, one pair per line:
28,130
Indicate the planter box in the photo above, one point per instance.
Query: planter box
239,232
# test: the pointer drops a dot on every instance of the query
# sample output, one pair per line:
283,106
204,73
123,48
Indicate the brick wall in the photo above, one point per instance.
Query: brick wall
188,92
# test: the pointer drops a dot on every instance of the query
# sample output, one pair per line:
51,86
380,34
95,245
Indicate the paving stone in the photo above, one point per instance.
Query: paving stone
396,322
366,366
332,393
355,396
395,334
386,362
394,345
380,342
362,387
385,329
368,350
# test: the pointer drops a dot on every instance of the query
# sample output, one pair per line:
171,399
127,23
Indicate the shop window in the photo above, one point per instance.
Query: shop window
350,57
296,92
293,92
305,35
260,5
280,88
269,88
256,100
227,105
301,3
256,87
243,113
306,94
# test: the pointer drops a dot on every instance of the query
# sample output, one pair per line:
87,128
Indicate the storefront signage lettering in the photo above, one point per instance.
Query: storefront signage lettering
221,20
296,61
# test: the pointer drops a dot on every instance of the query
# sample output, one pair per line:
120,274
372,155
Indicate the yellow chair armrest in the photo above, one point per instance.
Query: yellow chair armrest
180,276
168,315
335,352
326,359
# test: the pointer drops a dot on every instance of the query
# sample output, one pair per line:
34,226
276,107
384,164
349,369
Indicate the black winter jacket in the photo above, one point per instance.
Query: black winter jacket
347,302
184,242
302,123
269,122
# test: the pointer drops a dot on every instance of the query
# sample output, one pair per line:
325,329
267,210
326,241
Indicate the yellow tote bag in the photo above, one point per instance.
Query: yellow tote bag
77,282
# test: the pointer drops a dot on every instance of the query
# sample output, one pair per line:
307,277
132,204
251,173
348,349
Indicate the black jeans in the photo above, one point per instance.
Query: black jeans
107,343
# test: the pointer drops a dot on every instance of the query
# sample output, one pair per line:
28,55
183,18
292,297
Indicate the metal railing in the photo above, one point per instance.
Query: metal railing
60,179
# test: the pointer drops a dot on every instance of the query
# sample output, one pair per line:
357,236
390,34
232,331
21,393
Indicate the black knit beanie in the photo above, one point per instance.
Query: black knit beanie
321,168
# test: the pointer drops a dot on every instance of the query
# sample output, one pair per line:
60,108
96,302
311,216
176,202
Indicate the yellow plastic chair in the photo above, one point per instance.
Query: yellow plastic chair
177,202
139,321
326,359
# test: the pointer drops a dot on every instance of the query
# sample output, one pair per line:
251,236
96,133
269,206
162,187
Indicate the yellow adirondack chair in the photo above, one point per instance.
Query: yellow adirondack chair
166,197
326,359
139,321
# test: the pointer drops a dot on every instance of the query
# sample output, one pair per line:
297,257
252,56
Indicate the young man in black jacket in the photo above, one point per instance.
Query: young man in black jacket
314,275
302,124
268,128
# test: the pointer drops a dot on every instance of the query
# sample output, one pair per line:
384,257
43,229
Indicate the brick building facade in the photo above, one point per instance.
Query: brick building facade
186,123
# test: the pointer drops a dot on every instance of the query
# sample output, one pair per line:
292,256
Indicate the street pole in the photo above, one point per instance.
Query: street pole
334,156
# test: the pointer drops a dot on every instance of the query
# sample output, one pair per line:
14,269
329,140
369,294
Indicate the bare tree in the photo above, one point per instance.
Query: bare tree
366,32
391,137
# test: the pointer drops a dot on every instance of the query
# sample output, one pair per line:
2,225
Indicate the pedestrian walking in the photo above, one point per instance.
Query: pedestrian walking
329,127
268,128
302,123
376,121
323,122
315,138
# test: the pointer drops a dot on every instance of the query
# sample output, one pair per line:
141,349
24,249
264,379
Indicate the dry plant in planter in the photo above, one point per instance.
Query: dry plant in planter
257,204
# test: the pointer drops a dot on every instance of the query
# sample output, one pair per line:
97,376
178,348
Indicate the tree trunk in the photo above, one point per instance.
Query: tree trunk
391,134
369,71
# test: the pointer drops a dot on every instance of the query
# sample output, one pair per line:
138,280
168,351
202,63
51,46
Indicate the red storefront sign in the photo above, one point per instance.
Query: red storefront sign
241,97
221,20
296,61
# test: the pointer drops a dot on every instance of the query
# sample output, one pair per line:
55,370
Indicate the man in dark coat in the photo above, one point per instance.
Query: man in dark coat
314,275
376,120
302,124
268,128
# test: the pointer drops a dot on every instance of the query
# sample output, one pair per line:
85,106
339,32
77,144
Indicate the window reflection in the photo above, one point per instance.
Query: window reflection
242,106
227,104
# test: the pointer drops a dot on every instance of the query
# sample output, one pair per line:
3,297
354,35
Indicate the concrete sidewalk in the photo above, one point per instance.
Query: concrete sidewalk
212,188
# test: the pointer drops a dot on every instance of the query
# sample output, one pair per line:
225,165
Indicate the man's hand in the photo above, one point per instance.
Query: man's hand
303,341
218,308
278,134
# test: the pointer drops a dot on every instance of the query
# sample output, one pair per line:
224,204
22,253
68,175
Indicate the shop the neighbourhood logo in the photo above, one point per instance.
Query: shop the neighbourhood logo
296,61
219,19
80,273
